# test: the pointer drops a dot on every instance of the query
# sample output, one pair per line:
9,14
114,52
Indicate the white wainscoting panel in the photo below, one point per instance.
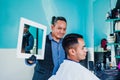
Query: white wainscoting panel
13,68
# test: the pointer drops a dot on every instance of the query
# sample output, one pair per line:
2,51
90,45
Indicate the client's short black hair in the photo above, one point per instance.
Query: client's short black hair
69,40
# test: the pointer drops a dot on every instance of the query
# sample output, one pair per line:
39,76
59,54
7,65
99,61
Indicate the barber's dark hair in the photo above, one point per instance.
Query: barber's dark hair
69,40
55,19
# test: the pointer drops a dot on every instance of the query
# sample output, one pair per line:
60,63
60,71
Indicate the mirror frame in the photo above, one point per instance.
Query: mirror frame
41,51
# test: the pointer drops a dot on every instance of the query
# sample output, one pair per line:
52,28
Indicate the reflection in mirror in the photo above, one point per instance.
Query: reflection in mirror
39,40
28,39
32,39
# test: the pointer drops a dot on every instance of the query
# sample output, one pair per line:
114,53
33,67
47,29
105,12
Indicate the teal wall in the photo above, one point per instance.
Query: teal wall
10,13
86,17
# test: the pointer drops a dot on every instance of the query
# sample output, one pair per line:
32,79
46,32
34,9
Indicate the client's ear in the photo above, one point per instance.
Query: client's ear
71,51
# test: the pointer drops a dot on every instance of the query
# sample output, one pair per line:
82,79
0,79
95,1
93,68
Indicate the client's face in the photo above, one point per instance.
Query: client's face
81,50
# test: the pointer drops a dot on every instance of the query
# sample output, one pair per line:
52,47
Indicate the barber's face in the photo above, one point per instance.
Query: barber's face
80,50
58,29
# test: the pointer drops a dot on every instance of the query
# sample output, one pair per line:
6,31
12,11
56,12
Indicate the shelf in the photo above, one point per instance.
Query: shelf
117,56
115,19
113,43
100,51
117,31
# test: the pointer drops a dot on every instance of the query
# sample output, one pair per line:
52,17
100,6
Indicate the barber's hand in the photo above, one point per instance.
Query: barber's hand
32,59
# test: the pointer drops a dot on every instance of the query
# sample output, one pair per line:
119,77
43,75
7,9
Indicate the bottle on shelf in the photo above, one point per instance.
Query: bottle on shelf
118,13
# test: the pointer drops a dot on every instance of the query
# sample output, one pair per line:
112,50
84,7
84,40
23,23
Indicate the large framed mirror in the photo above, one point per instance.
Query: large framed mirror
31,39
